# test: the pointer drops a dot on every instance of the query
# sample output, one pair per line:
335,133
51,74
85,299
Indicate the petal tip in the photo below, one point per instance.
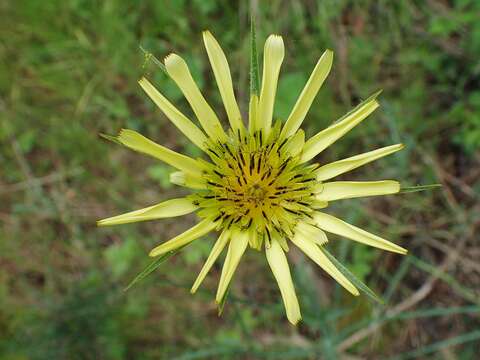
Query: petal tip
376,94
275,43
153,253
275,37
329,54
172,59
295,321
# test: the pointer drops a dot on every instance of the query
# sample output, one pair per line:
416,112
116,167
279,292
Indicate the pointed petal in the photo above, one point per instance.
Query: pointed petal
221,70
336,226
236,248
312,233
190,130
337,190
187,180
140,143
273,54
253,113
166,209
314,252
178,70
278,263
328,136
336,168
202,228
300,110
216,251
295,144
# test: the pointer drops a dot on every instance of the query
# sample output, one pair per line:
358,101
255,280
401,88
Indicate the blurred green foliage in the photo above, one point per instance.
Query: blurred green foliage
68,71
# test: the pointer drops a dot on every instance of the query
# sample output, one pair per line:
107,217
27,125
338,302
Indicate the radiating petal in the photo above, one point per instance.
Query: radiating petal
328,136
216,251
337,190
140,143
166,209
273,54
190,130
314,252
253,113
312,233
336,168
221,70
184,238
300,110
278,263
294,145
236,248
178,70
191,181
336,226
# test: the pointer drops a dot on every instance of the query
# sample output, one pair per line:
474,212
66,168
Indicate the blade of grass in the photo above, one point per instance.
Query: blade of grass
254,72
417,188
447,278
110,138
434,347
150,57
355,281
222,302
152,267
395,280
417,314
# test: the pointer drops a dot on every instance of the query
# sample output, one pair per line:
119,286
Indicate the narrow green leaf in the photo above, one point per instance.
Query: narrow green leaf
150,57
442,344
409,189
362,103
110,138
152,267
222,302
455,285
254,72
355,281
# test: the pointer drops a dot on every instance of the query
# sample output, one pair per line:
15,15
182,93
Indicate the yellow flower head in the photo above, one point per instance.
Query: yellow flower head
258,188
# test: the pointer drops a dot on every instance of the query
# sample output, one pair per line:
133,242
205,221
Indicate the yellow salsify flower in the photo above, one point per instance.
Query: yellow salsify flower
258,189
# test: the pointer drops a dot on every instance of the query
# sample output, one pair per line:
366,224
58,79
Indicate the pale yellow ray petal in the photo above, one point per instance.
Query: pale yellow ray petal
178,70
202,228
336,226
312,232
140,143
300,110
190,130
278,263
336,168
253,113
314,252
214,253
191,181
337,190
166,209
328,136
236,248
221,70
294,145
273,54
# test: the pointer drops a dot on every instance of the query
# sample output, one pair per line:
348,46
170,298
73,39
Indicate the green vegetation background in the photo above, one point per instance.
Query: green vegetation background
68,71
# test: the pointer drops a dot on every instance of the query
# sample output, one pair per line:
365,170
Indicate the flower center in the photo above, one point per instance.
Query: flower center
258,184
